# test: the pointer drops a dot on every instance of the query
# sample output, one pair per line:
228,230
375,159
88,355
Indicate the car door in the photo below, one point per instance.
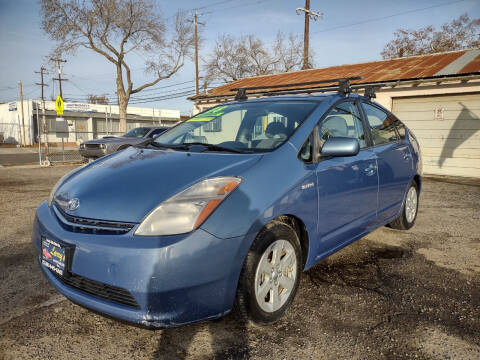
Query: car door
347,186
395,167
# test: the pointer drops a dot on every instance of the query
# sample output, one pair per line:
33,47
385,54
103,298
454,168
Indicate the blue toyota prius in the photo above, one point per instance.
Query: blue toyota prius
228,207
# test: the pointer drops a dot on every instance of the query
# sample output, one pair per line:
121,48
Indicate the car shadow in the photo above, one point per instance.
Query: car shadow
453,141
227,339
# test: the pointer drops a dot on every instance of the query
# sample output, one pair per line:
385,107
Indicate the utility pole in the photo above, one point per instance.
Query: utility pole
43,124
196,23
59,79
42,72
306,34
42,83
308,14
21,104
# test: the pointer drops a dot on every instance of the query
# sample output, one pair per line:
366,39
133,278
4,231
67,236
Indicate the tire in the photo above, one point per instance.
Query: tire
274,260
406,220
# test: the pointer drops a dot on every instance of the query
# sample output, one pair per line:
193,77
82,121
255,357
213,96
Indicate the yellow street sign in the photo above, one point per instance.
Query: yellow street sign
59,105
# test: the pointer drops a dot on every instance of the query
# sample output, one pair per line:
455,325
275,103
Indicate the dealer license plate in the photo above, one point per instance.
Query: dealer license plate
54,256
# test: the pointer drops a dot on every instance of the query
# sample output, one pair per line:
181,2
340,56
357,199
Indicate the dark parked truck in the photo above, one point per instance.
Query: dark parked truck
96,148
230,206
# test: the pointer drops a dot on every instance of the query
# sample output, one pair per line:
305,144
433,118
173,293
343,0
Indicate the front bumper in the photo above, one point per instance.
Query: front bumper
174,279
92,153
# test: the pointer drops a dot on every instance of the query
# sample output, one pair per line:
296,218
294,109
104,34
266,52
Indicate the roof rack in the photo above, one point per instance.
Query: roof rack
371,89
343,86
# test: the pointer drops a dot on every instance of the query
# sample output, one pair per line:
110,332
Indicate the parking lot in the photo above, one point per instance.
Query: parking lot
393,294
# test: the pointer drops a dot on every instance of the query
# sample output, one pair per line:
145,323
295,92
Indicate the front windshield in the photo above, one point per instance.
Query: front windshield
245,127
137,132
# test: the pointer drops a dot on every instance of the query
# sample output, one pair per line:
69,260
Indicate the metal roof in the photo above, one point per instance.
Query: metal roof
408,68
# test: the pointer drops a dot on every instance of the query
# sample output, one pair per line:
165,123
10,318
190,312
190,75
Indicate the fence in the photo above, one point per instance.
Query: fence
57,140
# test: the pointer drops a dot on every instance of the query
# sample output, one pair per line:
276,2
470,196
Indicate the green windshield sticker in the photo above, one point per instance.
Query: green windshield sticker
209,114
218,111
200,119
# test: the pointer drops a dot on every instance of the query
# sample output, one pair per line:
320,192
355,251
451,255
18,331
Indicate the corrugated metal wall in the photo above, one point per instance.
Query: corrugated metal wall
448,129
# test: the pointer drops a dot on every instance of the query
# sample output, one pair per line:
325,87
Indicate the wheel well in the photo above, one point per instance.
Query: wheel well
418,181
301,231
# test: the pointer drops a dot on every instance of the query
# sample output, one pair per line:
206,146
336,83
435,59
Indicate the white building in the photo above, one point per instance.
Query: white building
85,121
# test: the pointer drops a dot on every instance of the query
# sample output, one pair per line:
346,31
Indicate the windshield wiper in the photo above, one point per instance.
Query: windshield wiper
165,146
214,147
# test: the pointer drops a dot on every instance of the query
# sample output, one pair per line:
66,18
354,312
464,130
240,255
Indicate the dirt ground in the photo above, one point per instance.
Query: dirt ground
391,295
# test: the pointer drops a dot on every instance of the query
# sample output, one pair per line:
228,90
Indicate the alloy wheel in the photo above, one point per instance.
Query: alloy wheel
275,276
411,204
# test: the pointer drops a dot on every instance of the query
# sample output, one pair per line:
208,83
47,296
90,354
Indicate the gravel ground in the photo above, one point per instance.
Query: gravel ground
392,294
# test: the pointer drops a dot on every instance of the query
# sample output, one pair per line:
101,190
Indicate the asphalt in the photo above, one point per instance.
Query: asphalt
391,295
25,156
18,156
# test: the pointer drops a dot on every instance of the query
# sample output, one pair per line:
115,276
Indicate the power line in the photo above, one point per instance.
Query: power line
140,96
150,89
386,17
6,88
257,2
213,4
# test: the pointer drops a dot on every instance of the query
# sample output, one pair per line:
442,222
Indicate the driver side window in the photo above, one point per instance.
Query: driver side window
343,121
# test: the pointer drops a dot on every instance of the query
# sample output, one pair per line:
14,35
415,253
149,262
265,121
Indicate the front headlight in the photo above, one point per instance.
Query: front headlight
103,146
188,209
82,146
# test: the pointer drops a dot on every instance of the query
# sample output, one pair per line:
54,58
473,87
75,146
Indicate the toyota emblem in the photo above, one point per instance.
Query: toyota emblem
73,204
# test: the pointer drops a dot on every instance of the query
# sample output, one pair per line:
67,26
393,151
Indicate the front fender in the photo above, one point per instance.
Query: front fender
279,184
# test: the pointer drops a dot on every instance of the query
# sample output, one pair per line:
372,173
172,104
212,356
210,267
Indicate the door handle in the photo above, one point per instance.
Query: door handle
370,169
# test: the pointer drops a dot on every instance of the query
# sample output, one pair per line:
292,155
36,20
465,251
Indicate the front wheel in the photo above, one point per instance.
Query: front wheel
270,275
410,208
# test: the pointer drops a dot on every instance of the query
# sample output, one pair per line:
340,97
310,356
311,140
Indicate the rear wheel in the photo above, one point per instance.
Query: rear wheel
270,275
410,208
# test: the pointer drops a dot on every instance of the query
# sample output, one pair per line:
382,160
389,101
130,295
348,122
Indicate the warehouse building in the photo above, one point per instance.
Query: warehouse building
84,121
436,95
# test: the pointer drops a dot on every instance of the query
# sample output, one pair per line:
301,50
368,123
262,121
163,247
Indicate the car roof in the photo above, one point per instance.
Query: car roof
299,97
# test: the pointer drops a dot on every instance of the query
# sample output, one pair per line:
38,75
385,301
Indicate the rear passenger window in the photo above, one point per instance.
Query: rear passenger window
343,121
382,126
400,128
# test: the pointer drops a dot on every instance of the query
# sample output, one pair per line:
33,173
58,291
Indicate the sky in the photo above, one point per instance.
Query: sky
351,31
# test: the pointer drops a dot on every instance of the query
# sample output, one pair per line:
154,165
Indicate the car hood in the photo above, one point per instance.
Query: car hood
126,186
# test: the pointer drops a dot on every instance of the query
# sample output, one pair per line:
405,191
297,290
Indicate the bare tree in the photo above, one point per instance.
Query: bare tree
115,29
235,58
459,34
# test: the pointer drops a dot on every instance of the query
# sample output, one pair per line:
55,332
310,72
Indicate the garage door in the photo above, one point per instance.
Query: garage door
448,129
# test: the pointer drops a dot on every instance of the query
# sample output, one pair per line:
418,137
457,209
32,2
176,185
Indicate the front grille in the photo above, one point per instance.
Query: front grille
92,146
101,290
91,226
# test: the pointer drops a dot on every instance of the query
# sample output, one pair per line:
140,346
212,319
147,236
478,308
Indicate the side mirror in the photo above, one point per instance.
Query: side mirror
340,146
